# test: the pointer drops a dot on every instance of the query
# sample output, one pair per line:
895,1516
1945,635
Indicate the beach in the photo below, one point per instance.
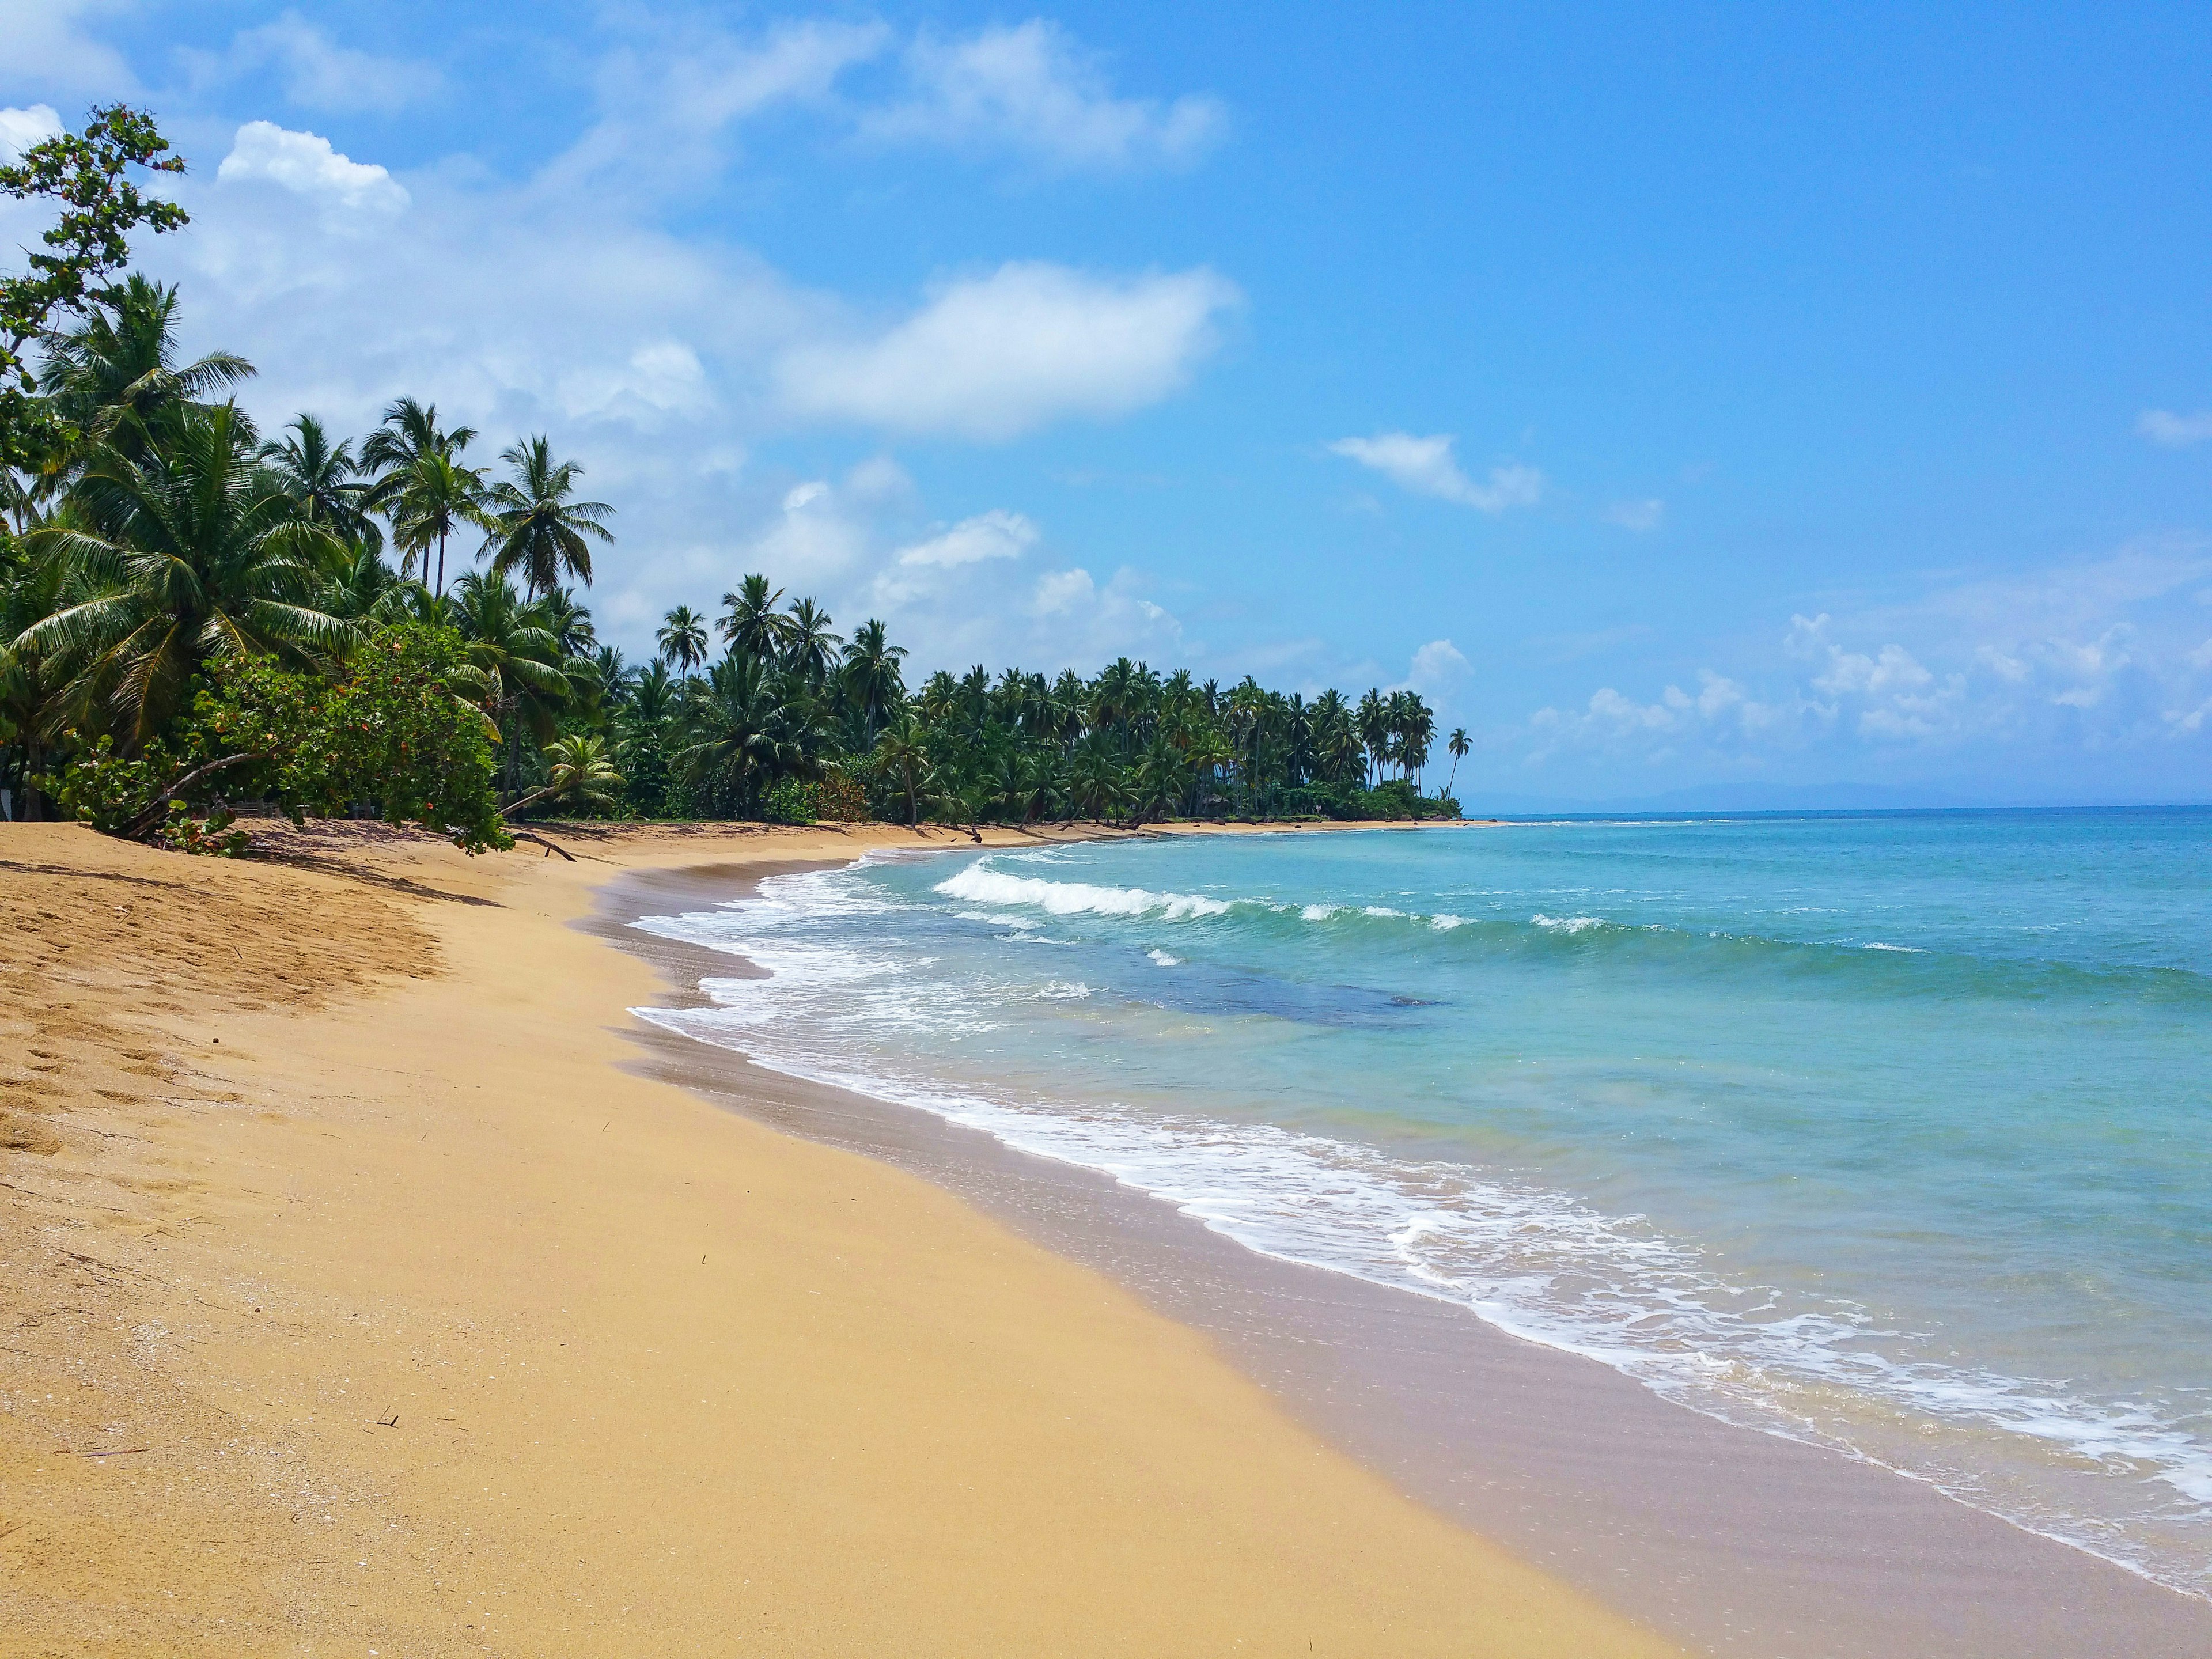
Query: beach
362,1294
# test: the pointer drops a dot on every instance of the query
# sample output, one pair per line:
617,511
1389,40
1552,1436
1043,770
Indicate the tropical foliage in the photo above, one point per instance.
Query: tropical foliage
193,618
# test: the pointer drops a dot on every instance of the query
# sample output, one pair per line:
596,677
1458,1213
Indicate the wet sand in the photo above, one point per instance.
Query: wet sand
1728,1540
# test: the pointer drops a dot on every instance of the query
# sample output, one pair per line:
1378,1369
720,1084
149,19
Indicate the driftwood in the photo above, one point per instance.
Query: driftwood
550,846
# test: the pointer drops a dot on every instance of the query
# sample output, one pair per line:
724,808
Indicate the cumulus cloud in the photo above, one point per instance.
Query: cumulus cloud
1426,467
20,129
1640,516
2175,431
997,534
306,165
1032,90
1439,670
993,357
317,73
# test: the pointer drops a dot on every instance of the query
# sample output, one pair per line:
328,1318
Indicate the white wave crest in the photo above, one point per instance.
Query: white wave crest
1567,924
1066,898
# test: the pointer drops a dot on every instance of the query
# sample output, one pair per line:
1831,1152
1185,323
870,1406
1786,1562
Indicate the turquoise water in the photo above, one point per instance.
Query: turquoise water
1891,1131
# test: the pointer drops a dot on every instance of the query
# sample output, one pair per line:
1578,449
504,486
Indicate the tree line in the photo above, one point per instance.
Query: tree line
195,613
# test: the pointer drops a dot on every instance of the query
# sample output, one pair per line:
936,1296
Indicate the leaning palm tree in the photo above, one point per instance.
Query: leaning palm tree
436,497
1458,746
195,553
533,527
115,375
324,479
682,640
579,775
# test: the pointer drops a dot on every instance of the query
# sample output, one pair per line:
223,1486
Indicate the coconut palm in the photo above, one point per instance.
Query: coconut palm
903,750
325,480
871,677
409,431
810,648
1458,746
682,640
32,682
433,499
115,374
363,588
579,775
751,623
512,643
750,731
533,527
195,553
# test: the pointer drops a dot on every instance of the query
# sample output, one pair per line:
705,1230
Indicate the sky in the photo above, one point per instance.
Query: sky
1698,404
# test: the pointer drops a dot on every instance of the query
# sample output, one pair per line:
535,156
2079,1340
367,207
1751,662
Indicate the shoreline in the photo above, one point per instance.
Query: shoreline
360,1293
1727,1537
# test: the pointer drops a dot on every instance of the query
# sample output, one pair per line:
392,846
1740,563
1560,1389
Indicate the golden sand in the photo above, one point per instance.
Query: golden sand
355,1300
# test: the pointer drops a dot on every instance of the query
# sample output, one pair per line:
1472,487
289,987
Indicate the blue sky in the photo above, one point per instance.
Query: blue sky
1724,399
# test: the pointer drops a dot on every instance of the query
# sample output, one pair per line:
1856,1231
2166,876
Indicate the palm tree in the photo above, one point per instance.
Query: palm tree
751,623
903,750
115,375
513,644
363,588
1458,746
1095,778
531,524
682,640
196,553
809,646
651,694
1372,722
434,497
749,733
579,774
409,431
871,676
32,682
322,478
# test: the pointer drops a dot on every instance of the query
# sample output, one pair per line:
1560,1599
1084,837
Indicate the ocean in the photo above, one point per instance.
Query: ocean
1891,1132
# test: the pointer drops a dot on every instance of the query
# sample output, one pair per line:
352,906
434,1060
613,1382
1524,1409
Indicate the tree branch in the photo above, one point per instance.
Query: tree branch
136,828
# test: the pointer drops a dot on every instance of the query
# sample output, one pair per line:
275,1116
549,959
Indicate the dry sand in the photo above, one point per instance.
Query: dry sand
356,1300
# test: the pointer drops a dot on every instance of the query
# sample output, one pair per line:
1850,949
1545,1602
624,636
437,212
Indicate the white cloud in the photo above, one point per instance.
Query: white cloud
996,356
318,73
2175,431
997,534
666,110
42,45
2088,659
1031,89
20,129
1639,516
1439,669
307,164
1061,591
1426,466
